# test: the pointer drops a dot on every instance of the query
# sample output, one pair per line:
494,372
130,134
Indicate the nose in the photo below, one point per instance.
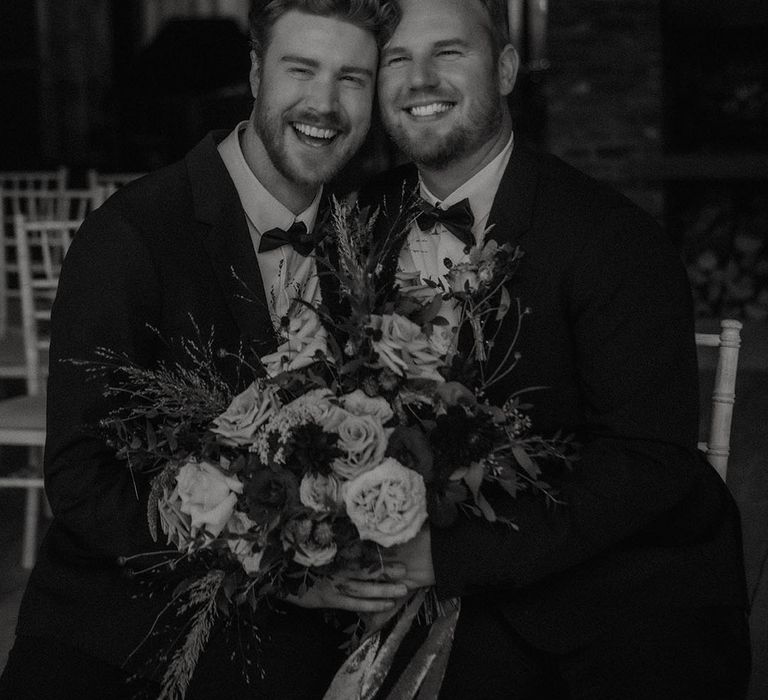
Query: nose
323,96
423,74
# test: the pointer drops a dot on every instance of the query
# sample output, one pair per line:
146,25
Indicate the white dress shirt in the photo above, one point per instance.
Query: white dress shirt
425,252
286,275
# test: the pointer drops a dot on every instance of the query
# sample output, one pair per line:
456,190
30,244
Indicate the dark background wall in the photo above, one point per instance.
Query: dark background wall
666,100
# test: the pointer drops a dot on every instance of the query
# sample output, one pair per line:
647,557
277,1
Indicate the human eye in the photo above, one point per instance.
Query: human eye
300,72
394,60
356,81
449,53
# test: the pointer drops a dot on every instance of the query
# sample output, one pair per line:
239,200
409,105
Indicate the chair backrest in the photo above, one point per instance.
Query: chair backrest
110,182
41,247
727,342
49,205
35,180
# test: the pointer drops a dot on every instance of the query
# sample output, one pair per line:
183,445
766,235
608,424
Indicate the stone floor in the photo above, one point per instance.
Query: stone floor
748,479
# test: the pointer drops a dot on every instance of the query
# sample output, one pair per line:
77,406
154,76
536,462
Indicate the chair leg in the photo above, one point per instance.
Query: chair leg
32,513
3,284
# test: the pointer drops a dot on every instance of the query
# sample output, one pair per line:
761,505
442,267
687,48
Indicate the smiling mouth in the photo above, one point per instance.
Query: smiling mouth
314,135
433,109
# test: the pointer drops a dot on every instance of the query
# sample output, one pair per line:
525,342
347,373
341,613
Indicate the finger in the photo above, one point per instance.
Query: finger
394,570
387,571
365,589
363,605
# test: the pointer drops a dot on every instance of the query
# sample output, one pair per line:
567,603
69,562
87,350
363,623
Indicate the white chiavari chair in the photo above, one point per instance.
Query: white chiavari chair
35,180
727,343
22,418
34,205
21,181
110,182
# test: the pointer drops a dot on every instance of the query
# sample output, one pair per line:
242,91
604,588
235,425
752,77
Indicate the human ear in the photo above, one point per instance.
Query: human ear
509,62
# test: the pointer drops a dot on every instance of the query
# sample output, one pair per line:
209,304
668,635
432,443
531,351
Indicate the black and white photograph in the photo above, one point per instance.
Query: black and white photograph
384,350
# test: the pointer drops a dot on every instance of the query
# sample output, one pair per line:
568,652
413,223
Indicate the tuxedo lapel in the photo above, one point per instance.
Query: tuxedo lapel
512,219
512,210
225,236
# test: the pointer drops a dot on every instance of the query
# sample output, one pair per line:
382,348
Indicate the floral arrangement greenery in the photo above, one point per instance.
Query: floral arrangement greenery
360,428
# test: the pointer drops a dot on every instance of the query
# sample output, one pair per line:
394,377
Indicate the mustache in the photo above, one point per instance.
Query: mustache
321,120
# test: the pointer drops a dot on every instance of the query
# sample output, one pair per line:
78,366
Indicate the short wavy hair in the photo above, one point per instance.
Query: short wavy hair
497,12
376,16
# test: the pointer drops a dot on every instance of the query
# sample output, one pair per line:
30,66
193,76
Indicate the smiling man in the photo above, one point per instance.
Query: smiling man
312,79
634,587
204,246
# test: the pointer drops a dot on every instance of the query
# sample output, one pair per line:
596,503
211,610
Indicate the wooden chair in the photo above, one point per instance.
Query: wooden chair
110,182
35,180
22,418
34,205
727,342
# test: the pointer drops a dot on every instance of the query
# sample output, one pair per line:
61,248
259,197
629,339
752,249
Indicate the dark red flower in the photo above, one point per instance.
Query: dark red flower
269,492
410,446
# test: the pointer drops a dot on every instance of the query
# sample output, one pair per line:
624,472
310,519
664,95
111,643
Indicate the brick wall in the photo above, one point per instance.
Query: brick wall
603,90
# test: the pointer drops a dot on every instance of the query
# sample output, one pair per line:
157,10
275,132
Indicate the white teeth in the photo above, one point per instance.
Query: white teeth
430,110
314,132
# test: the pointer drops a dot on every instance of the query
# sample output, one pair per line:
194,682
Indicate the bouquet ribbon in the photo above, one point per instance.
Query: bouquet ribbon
362,675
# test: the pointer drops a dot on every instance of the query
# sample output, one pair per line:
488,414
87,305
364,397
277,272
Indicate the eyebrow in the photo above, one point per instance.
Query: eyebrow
450,42
312,63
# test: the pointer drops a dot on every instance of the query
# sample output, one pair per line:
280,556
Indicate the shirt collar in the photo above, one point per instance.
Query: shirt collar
263,210
480,189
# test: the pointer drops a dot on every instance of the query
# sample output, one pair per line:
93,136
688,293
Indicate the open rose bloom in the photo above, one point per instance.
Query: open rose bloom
345,440
387,504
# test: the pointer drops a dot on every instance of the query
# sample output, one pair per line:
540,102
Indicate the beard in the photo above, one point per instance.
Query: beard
438,152
305,171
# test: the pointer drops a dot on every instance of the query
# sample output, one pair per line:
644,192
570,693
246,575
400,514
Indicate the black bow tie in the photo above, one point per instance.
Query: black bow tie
458,219
296,236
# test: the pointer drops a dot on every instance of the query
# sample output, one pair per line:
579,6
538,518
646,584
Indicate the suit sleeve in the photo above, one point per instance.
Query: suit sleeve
629,312
108,296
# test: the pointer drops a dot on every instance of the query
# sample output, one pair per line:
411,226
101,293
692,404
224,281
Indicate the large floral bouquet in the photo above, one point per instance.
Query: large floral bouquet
366,423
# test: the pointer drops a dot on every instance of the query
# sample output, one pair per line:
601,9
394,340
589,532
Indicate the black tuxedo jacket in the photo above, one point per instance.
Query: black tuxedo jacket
647,523
167,257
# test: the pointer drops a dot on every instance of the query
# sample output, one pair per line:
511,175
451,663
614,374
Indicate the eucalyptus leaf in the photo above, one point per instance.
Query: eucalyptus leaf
525,461
474,478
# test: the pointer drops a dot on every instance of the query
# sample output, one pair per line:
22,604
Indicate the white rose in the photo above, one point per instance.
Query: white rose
363,442
248,411
387,504
443,339
305,337
321,493
404,349
207,495
359,403
463,277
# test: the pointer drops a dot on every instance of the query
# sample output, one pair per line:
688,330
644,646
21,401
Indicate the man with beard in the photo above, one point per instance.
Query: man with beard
634,587
200,247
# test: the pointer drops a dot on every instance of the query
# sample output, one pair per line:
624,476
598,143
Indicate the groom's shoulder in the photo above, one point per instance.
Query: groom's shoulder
558,180
168,193
153,202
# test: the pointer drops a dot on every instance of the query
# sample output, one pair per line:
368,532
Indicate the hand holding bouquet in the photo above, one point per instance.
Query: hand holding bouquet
359,435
